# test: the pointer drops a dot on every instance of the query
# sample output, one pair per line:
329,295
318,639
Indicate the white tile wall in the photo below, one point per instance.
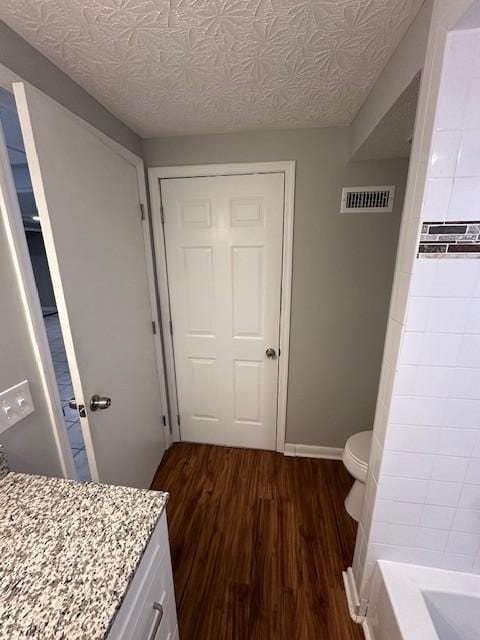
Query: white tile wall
411,348
453,278
444,156
468,154
472,113
437,517
463,202
440,349
423,504
413,439
443,494
456,442
437,199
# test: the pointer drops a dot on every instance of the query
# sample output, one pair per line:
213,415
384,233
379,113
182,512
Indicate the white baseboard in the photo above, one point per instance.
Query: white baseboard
353,601
351,592
312,451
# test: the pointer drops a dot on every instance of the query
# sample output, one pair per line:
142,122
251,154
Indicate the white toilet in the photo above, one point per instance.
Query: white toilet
355,458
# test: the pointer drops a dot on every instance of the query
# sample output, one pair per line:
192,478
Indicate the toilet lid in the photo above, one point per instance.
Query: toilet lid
359,447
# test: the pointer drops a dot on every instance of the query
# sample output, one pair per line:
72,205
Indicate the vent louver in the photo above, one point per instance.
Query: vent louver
367,199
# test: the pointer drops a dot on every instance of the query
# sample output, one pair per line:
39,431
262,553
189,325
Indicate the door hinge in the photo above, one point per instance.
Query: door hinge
170,323
154,327
178,419
162,215
164,420
142,211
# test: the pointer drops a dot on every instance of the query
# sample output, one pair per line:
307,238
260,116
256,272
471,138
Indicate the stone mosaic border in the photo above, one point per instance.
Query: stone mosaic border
450,240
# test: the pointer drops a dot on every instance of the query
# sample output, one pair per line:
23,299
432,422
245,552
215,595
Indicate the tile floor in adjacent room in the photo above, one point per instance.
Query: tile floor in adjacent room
65,388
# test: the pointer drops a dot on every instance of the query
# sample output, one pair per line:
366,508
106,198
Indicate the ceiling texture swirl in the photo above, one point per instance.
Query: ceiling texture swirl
168,67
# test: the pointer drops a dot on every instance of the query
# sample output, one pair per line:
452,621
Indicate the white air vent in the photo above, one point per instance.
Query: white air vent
367,199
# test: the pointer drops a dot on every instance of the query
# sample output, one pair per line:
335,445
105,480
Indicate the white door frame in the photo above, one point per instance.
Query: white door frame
31,301
12,220
155,174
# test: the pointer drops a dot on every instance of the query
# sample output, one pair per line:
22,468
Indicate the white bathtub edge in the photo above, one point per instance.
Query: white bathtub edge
397,595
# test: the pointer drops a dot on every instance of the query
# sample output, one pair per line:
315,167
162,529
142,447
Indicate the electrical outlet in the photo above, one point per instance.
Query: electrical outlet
15,404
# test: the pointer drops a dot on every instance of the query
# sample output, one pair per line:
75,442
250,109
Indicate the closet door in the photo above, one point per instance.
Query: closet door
223,238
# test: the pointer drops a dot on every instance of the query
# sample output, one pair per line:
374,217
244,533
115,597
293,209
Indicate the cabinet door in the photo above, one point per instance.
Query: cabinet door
148,611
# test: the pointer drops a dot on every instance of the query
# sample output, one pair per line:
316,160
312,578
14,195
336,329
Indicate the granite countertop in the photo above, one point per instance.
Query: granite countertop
68,552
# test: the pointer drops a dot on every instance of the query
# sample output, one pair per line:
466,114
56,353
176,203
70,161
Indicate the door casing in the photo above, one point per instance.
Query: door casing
155,174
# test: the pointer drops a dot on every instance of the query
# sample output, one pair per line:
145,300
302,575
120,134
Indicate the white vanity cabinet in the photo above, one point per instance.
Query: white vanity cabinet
148,611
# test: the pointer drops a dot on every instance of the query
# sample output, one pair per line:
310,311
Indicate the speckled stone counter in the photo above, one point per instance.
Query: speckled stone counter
68,552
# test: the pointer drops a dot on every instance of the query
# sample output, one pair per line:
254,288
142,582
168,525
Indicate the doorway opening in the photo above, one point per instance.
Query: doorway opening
38,257
226,378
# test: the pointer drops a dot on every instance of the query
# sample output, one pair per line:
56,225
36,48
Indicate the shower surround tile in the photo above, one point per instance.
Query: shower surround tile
429,477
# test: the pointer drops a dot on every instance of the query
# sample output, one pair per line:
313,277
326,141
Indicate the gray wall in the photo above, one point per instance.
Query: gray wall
342,271
32,66
29,444
404,64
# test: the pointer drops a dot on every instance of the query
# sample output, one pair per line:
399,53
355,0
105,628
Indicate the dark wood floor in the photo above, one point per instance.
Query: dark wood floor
259,542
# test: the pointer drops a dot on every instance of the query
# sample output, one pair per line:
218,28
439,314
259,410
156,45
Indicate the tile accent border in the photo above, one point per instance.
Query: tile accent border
450,240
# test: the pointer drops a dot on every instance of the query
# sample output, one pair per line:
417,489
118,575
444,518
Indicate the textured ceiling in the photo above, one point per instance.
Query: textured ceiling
196,66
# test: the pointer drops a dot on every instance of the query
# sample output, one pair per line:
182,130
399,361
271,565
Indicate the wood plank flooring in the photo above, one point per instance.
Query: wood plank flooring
258,542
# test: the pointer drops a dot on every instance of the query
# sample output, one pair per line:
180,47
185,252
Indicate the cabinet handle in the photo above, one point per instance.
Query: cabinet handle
158,609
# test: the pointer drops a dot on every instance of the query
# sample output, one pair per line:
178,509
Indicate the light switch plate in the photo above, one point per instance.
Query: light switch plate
15,404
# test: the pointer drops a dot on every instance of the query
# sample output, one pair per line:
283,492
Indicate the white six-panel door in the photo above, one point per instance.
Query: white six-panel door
223,238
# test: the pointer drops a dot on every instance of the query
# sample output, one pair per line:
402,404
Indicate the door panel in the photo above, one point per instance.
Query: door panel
223,240
204,388
88,199
198,269
248,394
247,289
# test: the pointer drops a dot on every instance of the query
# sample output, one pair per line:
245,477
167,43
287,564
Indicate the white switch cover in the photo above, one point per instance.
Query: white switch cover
15,404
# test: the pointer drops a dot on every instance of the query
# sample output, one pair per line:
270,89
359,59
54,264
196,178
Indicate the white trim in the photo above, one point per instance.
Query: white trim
152,289
12,219
353,602
367,630
312,451
288,168
160,257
